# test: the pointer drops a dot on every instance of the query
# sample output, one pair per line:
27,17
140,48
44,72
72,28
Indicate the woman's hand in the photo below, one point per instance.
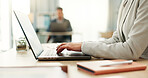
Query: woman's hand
69,46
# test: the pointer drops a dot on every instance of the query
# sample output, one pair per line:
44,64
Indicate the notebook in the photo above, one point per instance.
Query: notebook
96,68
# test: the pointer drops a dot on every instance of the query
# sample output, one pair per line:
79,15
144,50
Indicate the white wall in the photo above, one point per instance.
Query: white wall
5,24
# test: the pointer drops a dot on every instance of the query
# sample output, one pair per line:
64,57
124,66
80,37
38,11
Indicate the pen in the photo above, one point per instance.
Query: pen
118,63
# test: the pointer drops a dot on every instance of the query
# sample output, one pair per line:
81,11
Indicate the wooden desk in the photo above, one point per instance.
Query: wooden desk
12,58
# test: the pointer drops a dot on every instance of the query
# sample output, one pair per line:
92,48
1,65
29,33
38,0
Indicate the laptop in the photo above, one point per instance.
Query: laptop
58,27
36,47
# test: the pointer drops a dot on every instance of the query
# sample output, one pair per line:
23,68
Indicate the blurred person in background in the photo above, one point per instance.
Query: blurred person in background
60,20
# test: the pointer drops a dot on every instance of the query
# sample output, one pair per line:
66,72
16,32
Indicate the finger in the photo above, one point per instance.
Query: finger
60,49
60,45
69,49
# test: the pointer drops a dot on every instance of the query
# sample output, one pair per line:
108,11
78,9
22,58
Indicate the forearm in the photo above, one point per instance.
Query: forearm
112,51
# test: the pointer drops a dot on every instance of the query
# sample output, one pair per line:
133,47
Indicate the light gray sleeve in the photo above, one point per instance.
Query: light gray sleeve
132,48
113,39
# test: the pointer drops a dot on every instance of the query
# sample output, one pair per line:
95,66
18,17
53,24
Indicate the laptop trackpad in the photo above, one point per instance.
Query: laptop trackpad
76,54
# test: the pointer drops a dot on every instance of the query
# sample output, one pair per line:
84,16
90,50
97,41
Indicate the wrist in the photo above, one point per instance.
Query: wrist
81,46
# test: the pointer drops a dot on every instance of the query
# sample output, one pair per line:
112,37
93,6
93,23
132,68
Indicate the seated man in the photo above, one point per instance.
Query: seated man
65,26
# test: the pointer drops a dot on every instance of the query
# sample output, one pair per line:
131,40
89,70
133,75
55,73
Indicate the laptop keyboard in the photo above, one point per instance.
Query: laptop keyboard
50,50
50,53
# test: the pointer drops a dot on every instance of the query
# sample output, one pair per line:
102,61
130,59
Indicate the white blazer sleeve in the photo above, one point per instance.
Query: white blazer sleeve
132,48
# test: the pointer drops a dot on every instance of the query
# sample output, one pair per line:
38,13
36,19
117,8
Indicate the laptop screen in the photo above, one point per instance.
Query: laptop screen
58,27
29,33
